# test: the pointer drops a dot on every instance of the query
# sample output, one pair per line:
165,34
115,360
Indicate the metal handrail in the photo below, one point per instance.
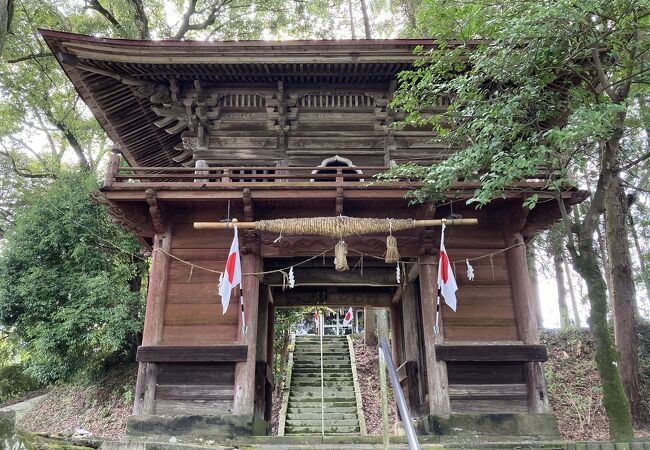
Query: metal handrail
399,396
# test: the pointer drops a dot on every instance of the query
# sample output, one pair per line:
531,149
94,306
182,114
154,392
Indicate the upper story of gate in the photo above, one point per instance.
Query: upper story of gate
240,104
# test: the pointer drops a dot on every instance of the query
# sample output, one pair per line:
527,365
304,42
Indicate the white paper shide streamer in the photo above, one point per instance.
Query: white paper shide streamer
470,271
292,278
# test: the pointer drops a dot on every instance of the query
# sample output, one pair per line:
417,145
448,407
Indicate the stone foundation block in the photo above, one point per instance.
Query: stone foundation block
205,427
540,426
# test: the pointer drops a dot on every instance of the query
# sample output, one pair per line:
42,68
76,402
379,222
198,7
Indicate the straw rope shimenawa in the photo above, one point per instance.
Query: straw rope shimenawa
338,226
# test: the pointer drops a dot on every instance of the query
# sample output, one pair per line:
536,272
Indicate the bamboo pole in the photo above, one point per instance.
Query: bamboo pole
252,225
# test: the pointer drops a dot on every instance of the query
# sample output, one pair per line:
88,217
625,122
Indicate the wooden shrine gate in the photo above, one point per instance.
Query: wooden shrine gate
206,131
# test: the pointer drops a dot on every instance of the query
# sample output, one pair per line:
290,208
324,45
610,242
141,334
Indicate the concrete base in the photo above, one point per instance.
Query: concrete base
537,426
206,427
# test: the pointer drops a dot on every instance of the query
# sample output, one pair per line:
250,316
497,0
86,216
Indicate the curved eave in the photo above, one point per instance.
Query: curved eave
95,66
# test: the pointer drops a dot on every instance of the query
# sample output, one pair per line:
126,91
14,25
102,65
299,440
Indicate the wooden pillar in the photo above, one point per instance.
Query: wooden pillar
261,347
145,390
245,371
525,316
396,334
411,338
437,383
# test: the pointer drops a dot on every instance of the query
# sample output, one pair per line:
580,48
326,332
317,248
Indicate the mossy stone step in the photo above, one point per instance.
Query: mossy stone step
329,398
316,422
316,384
328,429
311,408
317,416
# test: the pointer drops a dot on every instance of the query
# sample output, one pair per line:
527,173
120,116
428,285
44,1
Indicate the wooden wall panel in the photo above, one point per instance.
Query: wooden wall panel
195,388
199,334
489,387
193,314
485,310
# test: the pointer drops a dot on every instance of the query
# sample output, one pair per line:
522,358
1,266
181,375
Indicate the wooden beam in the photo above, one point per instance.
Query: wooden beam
501,353
145,391
524,308
155,211
245,371
437,382
253,225
380,299
157,294
185,353
339,201
311,276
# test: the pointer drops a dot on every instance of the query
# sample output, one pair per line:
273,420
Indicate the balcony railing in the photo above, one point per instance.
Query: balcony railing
272,176
117,176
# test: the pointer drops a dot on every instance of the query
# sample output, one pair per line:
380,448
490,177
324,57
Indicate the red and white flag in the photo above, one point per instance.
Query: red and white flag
232,275
317,320
446,279
348,317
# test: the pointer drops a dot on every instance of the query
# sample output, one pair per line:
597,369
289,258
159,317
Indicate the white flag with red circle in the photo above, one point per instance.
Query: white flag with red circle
232,275
348,317
446,280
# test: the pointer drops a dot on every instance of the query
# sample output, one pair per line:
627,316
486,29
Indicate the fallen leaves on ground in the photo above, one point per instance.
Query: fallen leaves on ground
101,408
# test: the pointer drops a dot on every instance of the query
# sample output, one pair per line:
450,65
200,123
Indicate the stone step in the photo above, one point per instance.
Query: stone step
315,375
326,363
327,369
334,429
316,359
317,416
309,373
314,409
328,384
310,395
327,353
316,421
300,392
334,406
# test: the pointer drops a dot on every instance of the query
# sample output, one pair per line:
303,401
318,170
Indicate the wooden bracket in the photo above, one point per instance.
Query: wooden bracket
249,212
132,218
517,217
155,211
339,201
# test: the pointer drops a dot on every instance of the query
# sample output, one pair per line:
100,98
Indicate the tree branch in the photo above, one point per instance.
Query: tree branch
186,25
96,6
70,137
22,172
30,56
141,19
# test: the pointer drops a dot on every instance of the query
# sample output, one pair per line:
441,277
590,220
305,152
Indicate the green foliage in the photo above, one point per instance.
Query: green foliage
527,98
15,382
286,321
66,280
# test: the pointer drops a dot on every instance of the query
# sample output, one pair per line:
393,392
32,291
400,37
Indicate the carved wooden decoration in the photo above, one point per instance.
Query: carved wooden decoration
155,211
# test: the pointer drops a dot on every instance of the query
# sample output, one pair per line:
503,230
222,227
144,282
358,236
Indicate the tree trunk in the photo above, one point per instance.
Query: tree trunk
370,326
6,11
614,398
602,245
286,339
534,282
354,35
585,261
572,293
565,323
366,18
645,276
623,292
